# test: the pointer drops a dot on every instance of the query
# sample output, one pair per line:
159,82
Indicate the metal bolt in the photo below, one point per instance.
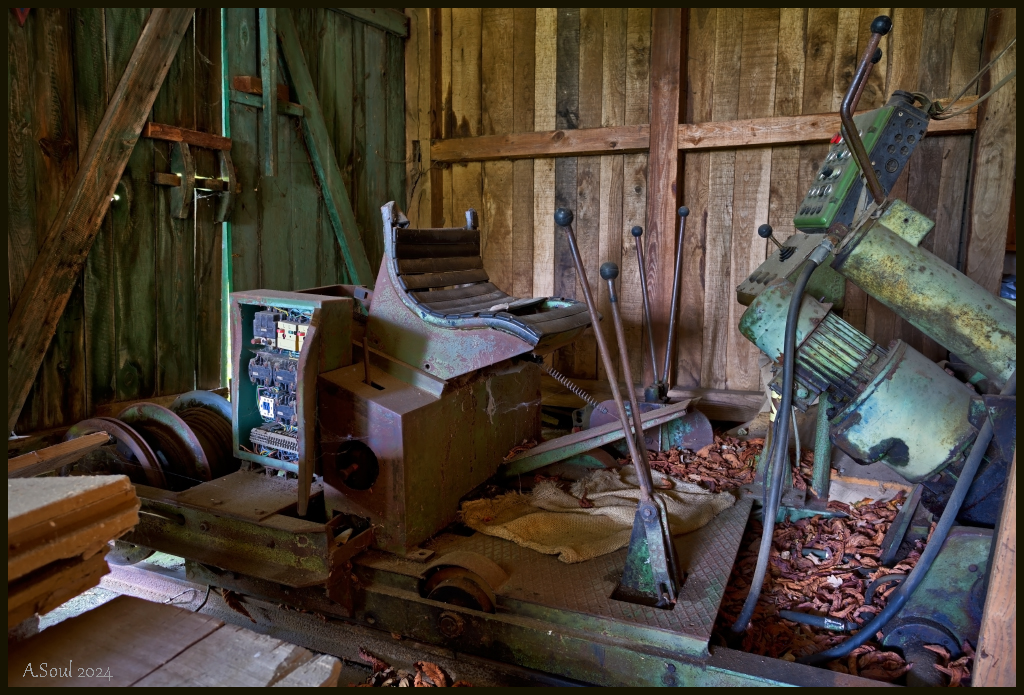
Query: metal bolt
204,526
451,624
371,620
801,392
972,568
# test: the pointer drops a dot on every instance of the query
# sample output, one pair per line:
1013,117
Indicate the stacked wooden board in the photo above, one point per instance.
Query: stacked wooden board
129,641
57,535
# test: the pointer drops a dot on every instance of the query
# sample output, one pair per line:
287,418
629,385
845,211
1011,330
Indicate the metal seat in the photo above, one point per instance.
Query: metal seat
440,275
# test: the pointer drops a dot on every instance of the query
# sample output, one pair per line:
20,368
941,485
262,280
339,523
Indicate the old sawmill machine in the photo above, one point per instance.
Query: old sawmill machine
360,419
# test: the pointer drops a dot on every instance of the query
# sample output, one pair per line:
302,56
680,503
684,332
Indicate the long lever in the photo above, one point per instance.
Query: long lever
666,371
654,518
563,218
880,26
652,393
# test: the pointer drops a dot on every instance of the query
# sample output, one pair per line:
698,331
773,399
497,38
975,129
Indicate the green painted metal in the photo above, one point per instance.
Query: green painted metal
848,181
825,284
763,323
929,294
322,154
948,603
571,445
226,261
822,470
890,422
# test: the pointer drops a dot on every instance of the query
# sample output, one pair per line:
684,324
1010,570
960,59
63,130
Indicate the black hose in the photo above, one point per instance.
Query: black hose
779,454
900,597
825,622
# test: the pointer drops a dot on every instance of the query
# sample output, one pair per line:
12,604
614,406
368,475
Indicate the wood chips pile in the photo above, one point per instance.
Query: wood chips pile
833,587
427,675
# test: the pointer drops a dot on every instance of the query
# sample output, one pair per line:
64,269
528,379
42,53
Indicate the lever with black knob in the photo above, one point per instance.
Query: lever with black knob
765,231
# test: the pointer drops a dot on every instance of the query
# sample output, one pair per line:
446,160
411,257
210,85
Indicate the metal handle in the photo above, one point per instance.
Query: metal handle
879,28
637,232
666,371
563,218
765,231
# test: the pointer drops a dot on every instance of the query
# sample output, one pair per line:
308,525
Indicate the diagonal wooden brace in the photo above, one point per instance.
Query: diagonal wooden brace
62,255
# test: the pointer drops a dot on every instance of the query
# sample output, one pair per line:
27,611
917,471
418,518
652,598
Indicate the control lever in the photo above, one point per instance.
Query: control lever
880,26
765,231
651,556
670,345
656,391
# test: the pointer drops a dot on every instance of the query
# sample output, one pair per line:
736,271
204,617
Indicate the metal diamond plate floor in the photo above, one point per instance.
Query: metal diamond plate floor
706,555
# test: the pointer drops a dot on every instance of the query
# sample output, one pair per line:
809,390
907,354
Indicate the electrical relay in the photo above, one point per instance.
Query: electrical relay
278,337
890,135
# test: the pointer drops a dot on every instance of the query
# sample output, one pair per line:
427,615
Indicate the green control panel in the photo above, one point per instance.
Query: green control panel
890,135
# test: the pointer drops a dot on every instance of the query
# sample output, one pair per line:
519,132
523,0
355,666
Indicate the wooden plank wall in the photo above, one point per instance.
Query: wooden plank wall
507,71
500,72
281,234
770,62
145,317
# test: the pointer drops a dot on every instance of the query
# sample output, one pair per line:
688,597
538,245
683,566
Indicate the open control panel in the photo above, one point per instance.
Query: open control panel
890,135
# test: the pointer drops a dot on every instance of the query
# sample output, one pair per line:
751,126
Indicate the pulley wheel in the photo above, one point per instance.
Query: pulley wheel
457,586
209,417
170,436
130,446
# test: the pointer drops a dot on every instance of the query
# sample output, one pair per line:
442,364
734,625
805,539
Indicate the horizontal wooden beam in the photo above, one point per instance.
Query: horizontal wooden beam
555,143
288,108
384,18
172,133
57,456
254,85
792,130
753,132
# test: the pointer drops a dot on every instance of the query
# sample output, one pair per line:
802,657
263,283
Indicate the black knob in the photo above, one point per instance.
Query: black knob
826,171
563,217
877,57
610,271
636,231
765,231
684,211
881,25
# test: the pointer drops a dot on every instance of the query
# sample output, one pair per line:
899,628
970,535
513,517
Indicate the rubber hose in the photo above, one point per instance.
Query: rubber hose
900,597
779,453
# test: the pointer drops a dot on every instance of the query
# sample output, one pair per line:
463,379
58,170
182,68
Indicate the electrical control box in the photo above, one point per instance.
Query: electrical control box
275,366
890,135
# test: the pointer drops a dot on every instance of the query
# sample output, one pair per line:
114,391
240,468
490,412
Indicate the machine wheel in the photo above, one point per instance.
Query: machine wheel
125,553
457,586
136,458
171,437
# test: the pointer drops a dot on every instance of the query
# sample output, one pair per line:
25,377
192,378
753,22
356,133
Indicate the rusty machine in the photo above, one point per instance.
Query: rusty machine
359,420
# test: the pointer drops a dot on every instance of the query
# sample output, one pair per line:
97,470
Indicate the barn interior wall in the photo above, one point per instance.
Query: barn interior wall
497,71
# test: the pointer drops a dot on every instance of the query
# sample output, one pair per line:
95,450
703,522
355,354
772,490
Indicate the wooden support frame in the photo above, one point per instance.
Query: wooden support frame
172,133
63,253
325,162
748,132
664,171
268,75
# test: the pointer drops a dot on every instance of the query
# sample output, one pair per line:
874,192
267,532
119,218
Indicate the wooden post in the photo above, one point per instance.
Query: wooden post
664,168
62,255
996,661
268,75
995,158
325,162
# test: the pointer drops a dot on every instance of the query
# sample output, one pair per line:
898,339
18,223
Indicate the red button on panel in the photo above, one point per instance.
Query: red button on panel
837,138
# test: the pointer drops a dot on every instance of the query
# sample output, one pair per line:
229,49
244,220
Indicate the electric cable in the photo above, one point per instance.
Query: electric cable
779,454
937,112
902,594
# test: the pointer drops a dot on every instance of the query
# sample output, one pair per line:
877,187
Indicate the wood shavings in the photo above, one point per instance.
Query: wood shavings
834,585
427,675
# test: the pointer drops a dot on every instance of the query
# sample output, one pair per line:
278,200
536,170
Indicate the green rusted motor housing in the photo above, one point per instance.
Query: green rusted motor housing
894,406
883,258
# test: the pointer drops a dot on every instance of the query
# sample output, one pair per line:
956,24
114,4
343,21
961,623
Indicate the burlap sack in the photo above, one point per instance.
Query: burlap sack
553,522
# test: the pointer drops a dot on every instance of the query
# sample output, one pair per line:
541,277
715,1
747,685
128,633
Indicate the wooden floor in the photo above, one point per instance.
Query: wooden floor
129,641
